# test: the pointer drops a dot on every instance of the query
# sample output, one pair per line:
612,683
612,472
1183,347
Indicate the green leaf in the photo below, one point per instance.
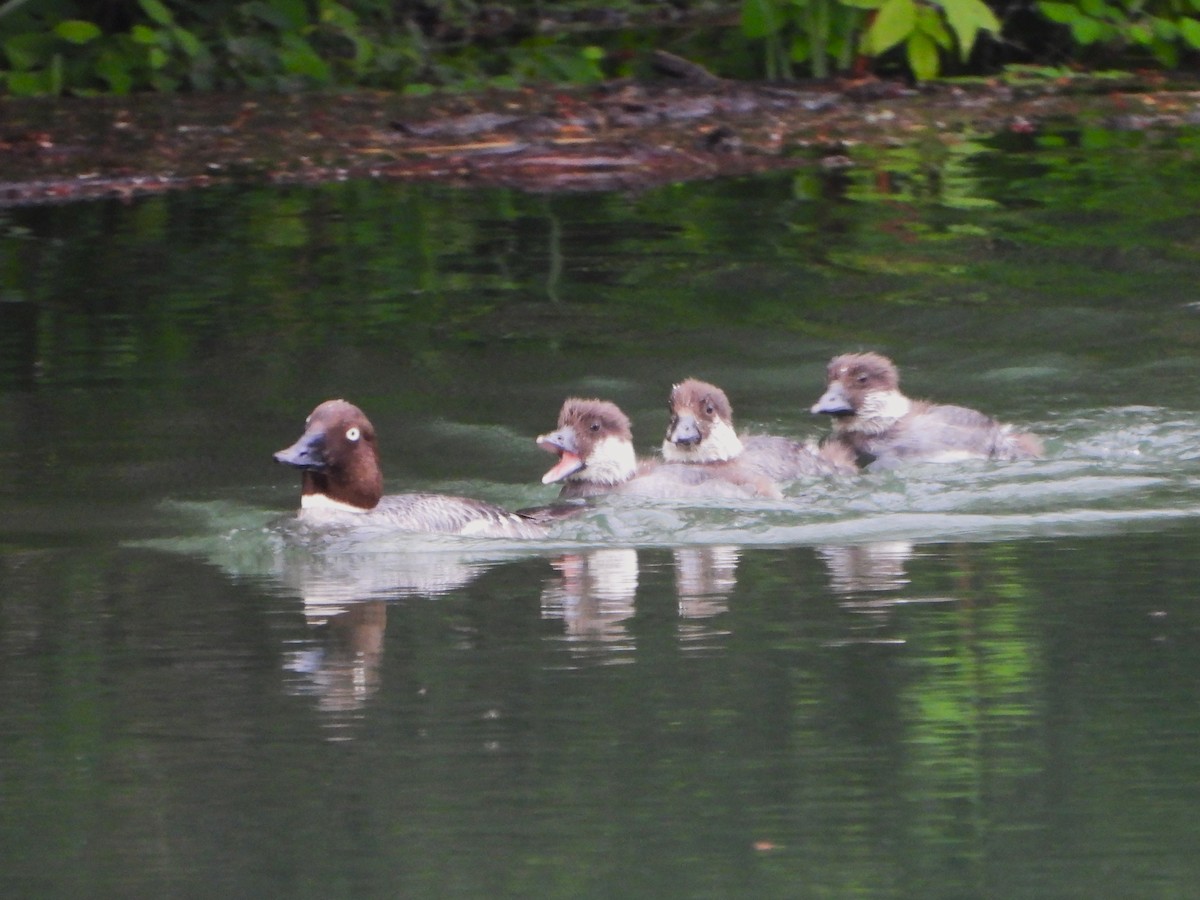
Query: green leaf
299,58
28,51
28,84
922,56
113,67
1164,28
760,18
1189,29
143,34
188,42
1062,13
338,15
158,57
1097,9
800,49
294,12
1086,31
157,12
1141,33
364,51
77,31
869,4
967,18
894,23
930,22
1166,54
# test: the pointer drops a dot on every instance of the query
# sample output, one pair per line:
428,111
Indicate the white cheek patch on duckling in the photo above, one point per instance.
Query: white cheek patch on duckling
878,412
612,461
721,443
894,405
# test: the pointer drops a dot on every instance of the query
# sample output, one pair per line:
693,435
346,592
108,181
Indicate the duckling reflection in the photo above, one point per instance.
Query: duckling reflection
867,575
704,579
867,568
594,596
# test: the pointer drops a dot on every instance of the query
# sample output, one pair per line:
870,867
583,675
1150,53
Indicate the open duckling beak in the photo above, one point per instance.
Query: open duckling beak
569,462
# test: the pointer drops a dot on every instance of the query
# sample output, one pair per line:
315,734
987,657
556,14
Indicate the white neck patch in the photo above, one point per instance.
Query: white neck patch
721,444
326,503
879,411
612,461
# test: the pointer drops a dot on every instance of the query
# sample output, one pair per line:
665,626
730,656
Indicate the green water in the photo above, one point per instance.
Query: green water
972,681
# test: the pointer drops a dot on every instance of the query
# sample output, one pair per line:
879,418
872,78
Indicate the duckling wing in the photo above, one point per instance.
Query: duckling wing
783,459
946,433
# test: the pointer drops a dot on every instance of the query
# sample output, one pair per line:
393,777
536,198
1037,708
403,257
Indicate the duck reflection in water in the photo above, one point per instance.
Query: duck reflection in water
342,671
345,599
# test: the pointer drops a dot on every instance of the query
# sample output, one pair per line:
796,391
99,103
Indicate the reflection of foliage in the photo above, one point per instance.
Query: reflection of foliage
423,268
970,706
1008,741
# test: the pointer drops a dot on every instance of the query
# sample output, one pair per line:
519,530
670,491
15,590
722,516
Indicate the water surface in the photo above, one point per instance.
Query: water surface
979,680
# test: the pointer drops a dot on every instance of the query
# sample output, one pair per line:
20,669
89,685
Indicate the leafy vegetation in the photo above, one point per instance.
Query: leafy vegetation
61,46
98,46
1164,28
828,35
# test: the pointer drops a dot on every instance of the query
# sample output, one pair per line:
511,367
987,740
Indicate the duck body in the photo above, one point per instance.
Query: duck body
883,428
342,483
700,433
594,443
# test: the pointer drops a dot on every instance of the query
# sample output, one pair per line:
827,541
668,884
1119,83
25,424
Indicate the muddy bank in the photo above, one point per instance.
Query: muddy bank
617,136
